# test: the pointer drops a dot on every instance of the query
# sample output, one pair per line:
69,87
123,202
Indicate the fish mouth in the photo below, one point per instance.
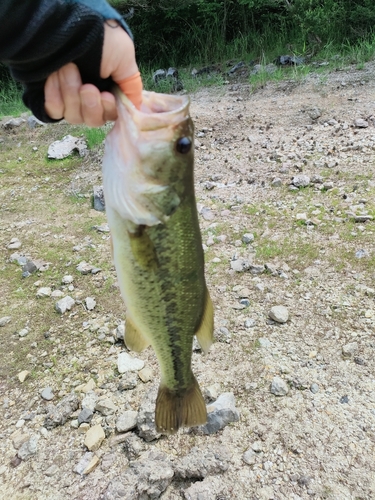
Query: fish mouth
157,110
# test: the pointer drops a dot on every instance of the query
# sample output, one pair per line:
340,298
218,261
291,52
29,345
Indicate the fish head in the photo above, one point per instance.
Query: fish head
148,161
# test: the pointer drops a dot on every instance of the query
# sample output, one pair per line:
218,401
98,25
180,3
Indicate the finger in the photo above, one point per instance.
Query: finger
53,101
70,84
109,106
91,106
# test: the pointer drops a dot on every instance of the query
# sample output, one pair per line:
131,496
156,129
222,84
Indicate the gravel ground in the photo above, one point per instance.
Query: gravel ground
285,190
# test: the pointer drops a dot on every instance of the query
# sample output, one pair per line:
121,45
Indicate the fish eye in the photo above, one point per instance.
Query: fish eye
183,145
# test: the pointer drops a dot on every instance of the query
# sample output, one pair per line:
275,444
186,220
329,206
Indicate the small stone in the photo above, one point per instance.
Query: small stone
22,376
64,148
220,413
19,439
90,303
67,279
106,407
14,244
249,323
127,421
279,387
90,400
146,374
249,457
348,350
314,388
279,314
94,437
84,267
248,238
33,122
44,292
263,342
89,386
257,446
29,448
120,332
98,201
84,463
24,332
127,363
64,304
129,381
314,113
56,294
5,320
59,414
52,470
83,428
301,180
240,265
344,400
91,465
30,267
47,394
276,182
360,123
85,416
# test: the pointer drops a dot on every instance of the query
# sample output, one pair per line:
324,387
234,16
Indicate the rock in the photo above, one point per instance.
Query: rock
263,342
158,75
52,470
22,376
314,388
44,292
57,294
126,363
13,123
247,238
14,244
276,182
86,414
240,265
64,304
33,122
47,394
301,181
19,439
90,303
220,413
207,213
146,374
29,448
211,488
5,320
200,463
84,267
24,332
279,314
89,401
279,387
314,113
127,421
128,381
348,350
94,437
360,123
98,199
59,414
249,323
266,493
120,332
87,463
134,446
146,417
361,254
106,407
146,478
249,457
67,279
64,148
88,387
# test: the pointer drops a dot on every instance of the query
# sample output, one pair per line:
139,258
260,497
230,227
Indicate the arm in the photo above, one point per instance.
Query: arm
42,36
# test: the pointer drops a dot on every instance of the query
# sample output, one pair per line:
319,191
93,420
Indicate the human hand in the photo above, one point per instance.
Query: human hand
66,96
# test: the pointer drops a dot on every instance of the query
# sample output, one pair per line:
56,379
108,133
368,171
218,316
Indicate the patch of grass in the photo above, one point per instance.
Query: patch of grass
94,136
11,99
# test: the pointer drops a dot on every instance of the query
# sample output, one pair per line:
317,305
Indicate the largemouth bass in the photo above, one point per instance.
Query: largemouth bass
157,248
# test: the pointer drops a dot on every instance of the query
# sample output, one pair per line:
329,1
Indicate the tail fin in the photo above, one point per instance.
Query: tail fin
179,409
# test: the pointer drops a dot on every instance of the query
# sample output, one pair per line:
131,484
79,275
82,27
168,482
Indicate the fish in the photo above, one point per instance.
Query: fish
148,183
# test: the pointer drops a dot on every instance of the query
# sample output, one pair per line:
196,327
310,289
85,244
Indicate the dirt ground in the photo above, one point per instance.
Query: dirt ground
291,164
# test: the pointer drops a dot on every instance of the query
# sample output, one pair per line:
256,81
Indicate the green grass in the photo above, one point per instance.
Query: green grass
11,99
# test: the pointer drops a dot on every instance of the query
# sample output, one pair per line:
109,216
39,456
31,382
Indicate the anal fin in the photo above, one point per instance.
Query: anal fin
176,409
205,332
134,340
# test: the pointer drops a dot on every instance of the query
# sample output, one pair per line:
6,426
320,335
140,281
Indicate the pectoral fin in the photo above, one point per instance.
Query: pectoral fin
205,332
134,340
